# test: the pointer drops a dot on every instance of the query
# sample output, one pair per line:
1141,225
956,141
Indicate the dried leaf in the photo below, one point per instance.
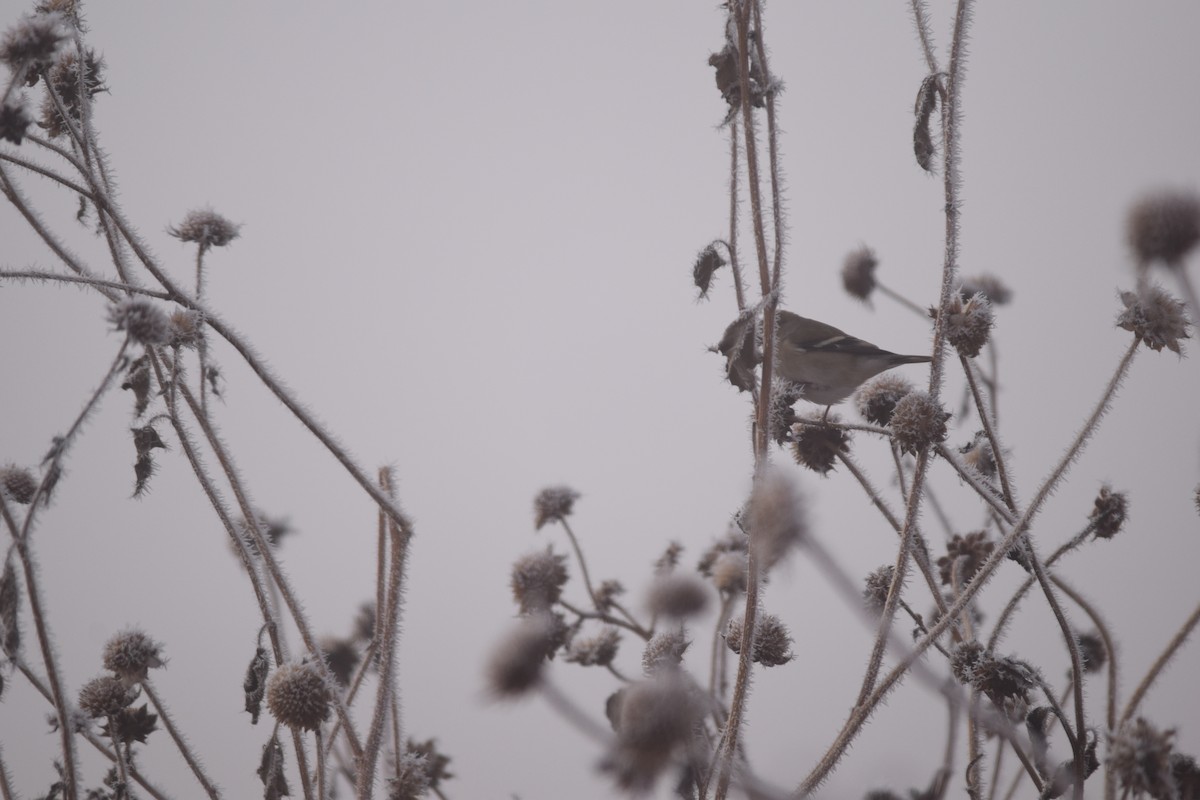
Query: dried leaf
708,262
143,468
255,683
137,380
923,147
270,771
739,345
146,439
10,599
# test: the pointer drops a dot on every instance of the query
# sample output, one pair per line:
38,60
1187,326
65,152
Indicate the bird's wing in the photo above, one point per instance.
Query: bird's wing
812,336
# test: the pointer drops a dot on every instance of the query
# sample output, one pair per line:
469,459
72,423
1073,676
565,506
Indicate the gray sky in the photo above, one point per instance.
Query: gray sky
468,234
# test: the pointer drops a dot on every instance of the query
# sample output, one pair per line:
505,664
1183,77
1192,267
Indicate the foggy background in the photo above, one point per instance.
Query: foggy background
468,232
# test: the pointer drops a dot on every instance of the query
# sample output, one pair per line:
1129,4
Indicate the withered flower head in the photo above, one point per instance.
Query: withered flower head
298,696
66,77
654,718
516,664
729,572
989,286
1004,679
131,724
858,273
131,655
772,641
553,504
607,593
206,228
878,584
1155,317
677,595
341,656
597,651
410,779
1109,513
537,580
1164,226
918,422
964,658
142,321
818,446
664,651
775,516
106,695
973,549
1092,652
1139,755
18,483
969,323
877,400
33,41
734,541
669,560
707,263
14,120
187,328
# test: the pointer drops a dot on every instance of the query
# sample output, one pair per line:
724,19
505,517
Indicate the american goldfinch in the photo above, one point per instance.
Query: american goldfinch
829,364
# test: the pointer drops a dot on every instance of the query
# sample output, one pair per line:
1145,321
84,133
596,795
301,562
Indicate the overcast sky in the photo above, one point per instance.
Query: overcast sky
468,231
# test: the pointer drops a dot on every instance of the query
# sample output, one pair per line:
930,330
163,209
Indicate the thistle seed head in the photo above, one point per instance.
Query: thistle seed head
537,580
131,655
969,323
105,696
818,446
1109,512
142,321
18,483
1164,226
206,228
1155,317
858,273
299,696
553,504
877,400
677,595
918,422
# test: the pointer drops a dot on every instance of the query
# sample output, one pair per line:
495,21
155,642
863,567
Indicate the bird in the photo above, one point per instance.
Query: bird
826,363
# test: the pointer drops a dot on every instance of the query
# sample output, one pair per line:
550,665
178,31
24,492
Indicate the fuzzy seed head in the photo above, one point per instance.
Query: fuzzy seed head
664,651
918,422
858,273
878,584
105,696
1109,512
516,664
1139,755
969,323
678,596
142,321
1155,317
14,120
131,655
1186,774
818,446
877,400
964,658
653,719
729,572
66,76
775,517
598,651
1164,226
537,580
553,504
969,552
410,780
607,593
989,286
772,641
1092,652
299,697
187,328
341,656
18,483
206,228
1004,679
34,41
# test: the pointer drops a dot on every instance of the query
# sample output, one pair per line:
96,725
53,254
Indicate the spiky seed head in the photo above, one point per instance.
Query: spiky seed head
1186,774
918,422
553,504
537,580
131,724
818,446
33,41
341,656
104,696
775,516
858,273
143,321
669,560
677,595
15,120
1155,317
878,584
781,415
67,75
655,718
734,541
516,664
969,552
969,323
187,328
1004,679
607,593
206,228
990,286
772,641
298,696
131,655
877,400
1164,226
596,651
1109,512
18,483
1139,755
664,651
410,780
729,572
1092,652
964,658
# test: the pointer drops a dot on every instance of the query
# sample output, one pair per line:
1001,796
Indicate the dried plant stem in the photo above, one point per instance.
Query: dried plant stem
573,714
587,578
739,286
989,430
1109,646
608,618
92,283
973,479
730,744
860,714
717,681
953,712
268,558
180,743
34,221
302,763
320,777
1188,289
902,300
45,173
1159,664
57,693
920,12
399,538
5,790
